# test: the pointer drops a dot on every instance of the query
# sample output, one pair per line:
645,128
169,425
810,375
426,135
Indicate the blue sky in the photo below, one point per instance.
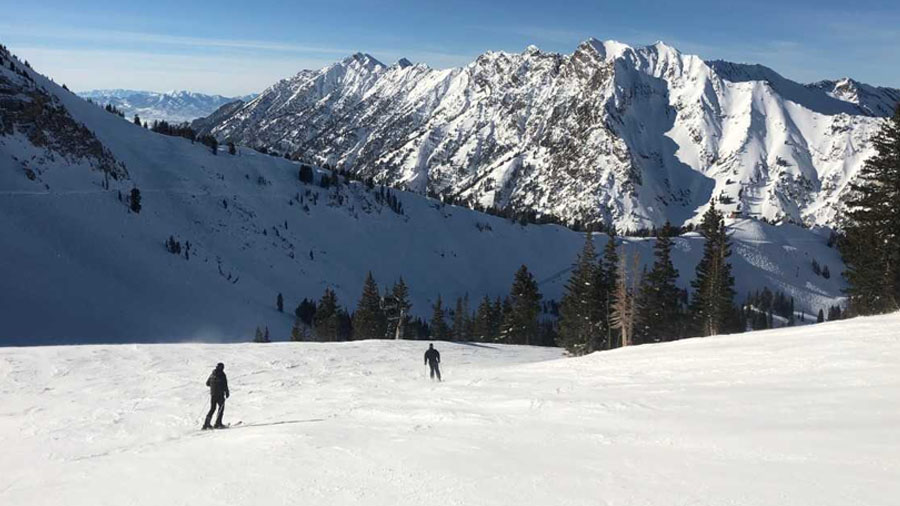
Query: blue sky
234,48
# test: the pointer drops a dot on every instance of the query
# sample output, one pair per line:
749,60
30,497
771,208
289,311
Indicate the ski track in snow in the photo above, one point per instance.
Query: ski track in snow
789,416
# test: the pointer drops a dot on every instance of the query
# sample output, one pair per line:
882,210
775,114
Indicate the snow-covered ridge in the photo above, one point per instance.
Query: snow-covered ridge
801,416
79,267
632,136
172,106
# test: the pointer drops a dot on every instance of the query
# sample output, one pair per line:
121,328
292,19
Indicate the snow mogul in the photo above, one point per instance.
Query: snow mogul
218,392
433,359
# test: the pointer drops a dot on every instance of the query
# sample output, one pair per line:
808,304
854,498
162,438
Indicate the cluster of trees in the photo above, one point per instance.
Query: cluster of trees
610,302
174,247
761,307
174,129
514,319
819,270
114,110
870,243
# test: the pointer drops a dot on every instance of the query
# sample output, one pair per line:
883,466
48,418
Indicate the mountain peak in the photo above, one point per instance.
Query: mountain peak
404,63
366,60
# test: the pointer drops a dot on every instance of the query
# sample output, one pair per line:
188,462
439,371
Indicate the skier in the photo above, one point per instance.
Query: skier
218,392
433,359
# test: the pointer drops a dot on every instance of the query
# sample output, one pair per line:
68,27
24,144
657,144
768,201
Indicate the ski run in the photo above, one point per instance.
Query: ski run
793,416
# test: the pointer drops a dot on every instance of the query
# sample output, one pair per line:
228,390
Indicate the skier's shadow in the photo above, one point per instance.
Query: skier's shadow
282,422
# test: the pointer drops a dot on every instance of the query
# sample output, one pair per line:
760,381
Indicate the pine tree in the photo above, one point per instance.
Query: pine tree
483,324
369,321
258,336
660,297
821,316
279,303
871,244
580,309
137,120
135,200
607,279
461,317
232,150
327,321
521,323
712,308
266,335
626,305
298,331
439,329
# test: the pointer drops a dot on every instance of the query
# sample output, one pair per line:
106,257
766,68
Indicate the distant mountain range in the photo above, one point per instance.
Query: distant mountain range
629,136
172,106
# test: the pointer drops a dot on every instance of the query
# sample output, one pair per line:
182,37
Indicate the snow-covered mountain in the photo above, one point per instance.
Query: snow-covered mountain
172,106
78,266
798,416
632,136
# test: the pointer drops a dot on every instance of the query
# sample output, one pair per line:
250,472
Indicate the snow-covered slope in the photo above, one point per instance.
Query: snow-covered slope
172,106
632,136
801,416
79,267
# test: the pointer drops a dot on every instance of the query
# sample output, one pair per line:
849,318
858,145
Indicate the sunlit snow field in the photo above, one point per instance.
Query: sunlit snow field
801,416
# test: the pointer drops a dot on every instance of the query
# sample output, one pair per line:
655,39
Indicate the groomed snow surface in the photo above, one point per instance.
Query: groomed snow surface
799,416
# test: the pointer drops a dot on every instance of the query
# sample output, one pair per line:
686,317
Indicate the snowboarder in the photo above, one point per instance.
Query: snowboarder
218,392
433,359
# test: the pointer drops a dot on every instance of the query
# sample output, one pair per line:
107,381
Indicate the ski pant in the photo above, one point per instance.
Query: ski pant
213,402
435,369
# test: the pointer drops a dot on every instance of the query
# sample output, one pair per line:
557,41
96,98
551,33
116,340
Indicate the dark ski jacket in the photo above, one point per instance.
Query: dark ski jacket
218,384
432,356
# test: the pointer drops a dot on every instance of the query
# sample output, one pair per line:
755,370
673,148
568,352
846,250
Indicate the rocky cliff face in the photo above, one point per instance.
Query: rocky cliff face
36,121
611,133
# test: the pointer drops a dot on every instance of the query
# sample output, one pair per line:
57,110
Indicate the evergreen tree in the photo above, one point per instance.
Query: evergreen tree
607,280
137,120
135,200
232,150
258,336
483,324
461,320
298,331
439,329
305,311
871,244
327,321
369,321
821,316
580,310
712,308
279,303
521,323
266,335
660,297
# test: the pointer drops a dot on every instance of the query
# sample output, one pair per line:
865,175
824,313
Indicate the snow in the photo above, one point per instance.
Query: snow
82,269
631,136
790,416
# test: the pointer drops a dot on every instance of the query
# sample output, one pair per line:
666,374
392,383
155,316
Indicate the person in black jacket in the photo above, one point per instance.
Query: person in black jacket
433,359
218,392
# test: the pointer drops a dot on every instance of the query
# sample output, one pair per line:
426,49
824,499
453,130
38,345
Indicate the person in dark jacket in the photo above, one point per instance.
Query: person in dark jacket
218,392
433,359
